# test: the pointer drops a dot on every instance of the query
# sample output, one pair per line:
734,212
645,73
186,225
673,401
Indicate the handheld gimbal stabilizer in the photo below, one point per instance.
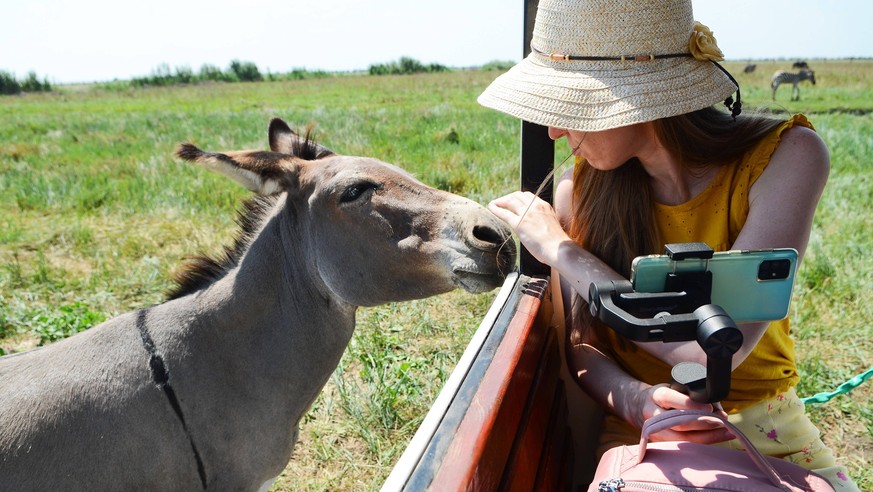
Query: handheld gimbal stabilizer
683,313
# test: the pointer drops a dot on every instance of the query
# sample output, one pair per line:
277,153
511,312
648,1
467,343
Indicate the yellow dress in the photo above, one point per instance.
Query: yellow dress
762,401
716,217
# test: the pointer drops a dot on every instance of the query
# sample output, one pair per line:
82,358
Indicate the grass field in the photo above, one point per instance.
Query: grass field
95,214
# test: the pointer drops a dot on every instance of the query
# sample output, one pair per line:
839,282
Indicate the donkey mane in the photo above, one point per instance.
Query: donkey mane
308,148
200,271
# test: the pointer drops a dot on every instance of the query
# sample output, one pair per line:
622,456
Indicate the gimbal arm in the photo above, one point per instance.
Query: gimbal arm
616,304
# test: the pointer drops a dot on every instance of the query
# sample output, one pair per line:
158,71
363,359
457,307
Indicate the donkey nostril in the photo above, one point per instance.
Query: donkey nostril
487,234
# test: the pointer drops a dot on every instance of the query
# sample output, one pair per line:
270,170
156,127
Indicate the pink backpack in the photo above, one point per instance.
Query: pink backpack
680,466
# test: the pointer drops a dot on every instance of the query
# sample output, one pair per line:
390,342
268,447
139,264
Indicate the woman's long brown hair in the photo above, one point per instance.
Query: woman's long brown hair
613,211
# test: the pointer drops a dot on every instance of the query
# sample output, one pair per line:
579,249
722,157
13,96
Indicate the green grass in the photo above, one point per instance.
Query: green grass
95,214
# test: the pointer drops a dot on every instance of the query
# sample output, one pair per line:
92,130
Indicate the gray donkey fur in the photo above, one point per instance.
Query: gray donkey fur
205,391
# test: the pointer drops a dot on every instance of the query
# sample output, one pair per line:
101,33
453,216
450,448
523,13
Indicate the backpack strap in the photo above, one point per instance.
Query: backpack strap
673,418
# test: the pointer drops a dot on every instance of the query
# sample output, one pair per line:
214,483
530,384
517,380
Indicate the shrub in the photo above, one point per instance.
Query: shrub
161,75
302,73
246,71
184,75
405,66
410,65
32,84
214,73
8,84
498,65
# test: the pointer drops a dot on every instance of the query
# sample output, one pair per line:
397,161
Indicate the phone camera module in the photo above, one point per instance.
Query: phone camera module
774,269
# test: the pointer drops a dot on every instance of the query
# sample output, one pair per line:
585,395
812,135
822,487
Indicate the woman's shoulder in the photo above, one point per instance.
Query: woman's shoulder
796,130
799,163
800,150
801,138
795,140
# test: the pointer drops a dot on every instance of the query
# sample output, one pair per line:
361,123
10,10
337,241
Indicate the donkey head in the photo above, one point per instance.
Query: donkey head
368,230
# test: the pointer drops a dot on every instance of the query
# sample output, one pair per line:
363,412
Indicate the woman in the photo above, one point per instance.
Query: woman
631,86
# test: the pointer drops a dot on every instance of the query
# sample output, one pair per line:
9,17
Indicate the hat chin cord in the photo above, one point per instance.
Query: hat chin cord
735,107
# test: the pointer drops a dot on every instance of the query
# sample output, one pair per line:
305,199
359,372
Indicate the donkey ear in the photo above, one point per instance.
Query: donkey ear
264,173
286,141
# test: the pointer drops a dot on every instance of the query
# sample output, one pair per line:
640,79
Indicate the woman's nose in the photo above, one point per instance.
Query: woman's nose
556,133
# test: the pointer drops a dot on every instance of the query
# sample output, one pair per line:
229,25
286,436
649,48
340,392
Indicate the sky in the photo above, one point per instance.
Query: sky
67,41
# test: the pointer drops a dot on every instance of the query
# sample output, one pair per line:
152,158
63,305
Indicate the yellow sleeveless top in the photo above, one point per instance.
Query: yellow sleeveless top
716,217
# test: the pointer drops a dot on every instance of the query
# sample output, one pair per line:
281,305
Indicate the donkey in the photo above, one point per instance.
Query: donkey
205,391
783,77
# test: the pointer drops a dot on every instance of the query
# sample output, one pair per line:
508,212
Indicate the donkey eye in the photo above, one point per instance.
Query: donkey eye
356,191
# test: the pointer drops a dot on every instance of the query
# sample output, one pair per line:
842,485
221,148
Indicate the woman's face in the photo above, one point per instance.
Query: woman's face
608,149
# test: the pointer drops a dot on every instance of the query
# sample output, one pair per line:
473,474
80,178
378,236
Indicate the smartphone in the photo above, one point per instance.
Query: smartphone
750,285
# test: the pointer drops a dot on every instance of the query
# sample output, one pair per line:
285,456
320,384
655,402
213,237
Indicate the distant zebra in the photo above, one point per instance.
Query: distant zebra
783,77
749,68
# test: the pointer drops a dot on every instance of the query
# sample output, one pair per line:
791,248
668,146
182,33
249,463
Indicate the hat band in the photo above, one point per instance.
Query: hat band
734,107
566,57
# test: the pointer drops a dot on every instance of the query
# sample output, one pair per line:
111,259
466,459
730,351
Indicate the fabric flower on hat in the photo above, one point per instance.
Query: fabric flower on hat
702,44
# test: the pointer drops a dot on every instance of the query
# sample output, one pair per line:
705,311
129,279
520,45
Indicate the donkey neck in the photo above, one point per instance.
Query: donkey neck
257,347
275,292
269,326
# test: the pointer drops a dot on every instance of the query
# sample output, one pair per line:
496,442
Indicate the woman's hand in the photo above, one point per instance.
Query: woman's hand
660,398
534,222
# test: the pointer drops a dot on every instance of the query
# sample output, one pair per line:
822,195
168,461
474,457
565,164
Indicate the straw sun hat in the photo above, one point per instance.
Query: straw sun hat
601,64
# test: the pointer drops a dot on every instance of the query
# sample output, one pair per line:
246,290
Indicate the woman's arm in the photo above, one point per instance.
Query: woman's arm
539,228
782,204
632,400
783,200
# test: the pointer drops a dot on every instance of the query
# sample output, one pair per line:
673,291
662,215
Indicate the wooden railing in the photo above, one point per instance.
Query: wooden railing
502,421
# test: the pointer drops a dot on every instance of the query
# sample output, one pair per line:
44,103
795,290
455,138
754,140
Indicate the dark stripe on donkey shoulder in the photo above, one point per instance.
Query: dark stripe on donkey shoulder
161,377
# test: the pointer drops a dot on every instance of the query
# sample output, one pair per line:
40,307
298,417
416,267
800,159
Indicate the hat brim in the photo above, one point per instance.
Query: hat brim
600,95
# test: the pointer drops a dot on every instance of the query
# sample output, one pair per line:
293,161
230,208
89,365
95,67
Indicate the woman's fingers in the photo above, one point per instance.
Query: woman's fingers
668,398
704,431
711,436
507,208
534,221
515,204
524,209
698,425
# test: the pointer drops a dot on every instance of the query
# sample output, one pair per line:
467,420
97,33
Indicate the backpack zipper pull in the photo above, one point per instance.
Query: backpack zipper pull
611,485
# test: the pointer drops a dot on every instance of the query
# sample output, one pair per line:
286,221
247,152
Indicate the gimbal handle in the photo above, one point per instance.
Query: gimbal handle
616,304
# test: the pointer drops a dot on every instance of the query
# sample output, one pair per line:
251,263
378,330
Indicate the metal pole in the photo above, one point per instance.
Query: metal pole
537,153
